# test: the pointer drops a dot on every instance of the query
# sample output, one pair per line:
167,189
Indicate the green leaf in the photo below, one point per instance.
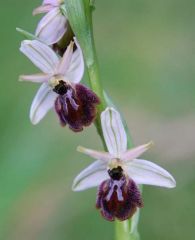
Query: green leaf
26,34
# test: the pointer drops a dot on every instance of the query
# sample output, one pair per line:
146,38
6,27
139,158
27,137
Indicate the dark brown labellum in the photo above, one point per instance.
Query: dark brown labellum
118,199
75,106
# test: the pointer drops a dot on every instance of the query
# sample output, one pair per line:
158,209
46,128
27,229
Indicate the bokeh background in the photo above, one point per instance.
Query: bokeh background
147,62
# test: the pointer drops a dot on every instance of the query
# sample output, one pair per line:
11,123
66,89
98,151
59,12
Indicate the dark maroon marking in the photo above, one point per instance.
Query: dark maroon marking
60,109
79,110
118,199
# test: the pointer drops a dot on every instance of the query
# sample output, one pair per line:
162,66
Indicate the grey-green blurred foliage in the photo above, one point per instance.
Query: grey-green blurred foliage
147,63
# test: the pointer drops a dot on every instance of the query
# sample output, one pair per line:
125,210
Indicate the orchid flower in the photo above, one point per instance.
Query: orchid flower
74,103
54,24
118,171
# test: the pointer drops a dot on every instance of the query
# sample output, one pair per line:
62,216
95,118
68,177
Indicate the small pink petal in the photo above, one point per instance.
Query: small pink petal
103,156
135,152
52,27
37,78
42,9
76,68
53,2
66,60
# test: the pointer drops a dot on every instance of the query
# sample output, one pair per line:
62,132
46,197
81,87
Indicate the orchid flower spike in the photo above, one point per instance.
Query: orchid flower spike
74,103
54,24
118,171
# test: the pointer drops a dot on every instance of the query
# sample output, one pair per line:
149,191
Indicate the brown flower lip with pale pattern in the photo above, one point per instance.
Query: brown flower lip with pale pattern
75,106
118,172
118,197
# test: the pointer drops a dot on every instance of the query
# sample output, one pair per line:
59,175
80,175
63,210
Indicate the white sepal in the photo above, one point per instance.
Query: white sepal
40,54
146,172
42,103
114,132
91,176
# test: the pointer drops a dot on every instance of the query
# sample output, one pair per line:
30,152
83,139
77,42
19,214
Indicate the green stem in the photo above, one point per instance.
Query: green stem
79,13
122,230
127,230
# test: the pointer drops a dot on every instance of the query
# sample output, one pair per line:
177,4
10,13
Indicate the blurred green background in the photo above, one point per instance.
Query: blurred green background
147,62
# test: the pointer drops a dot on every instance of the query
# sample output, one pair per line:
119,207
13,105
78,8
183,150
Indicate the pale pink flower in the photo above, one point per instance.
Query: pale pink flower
54,24
118,171
74,103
